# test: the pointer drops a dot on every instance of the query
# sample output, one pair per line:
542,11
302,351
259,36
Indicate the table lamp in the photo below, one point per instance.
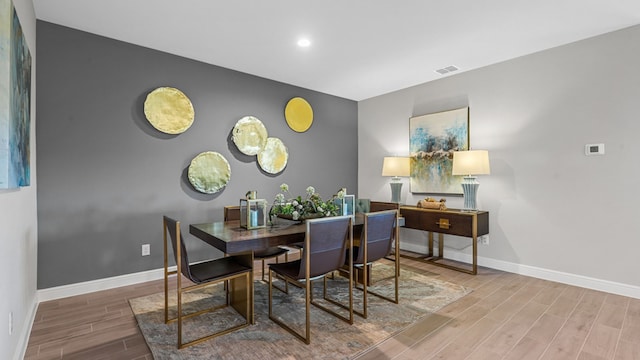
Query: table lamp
396,167
470,163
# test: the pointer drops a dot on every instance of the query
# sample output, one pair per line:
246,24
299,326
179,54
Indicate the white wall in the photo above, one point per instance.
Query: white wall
554,212
18,242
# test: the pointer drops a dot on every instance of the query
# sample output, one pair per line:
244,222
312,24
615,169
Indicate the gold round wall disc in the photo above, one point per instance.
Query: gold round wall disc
169,110
273,158
250,135
299,114
209,172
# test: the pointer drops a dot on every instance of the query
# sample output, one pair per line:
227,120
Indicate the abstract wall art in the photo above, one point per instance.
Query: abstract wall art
169,110
432,140
298,114
15,101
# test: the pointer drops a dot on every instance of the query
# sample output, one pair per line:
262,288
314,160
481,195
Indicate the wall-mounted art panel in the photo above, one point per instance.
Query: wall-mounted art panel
15,101
299,114
169,110
432,140
209,172
274,157
250,135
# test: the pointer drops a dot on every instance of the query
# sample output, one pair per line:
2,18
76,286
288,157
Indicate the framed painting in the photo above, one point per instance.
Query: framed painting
432,140
15,101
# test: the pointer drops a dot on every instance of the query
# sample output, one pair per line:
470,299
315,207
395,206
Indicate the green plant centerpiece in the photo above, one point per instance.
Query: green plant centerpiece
299,209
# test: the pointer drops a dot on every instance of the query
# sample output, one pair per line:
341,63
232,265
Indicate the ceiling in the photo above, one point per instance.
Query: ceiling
359,48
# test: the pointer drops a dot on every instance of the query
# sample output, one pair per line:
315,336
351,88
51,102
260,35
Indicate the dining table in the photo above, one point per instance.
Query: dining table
230,238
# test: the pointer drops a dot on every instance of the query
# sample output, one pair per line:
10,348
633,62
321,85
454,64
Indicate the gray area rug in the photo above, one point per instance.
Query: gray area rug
331,338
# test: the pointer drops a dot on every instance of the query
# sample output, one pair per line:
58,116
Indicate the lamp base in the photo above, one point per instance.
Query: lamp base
396,190
470,186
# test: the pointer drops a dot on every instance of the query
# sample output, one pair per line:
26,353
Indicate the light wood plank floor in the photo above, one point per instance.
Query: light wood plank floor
507,316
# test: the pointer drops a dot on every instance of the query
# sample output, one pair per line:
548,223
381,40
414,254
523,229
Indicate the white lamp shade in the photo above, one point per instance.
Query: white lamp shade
472,162
395,166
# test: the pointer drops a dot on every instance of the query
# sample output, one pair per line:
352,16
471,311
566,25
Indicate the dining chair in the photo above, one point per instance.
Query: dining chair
363,205
236,269
232,212
327,241
379,236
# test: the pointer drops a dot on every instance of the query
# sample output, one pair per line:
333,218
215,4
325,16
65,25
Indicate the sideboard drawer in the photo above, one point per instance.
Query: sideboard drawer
452,222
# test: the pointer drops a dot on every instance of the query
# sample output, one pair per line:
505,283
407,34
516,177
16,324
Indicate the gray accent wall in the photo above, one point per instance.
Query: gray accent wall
106,176
554,212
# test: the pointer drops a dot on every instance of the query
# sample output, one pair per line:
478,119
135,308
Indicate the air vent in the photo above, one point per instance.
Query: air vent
448,69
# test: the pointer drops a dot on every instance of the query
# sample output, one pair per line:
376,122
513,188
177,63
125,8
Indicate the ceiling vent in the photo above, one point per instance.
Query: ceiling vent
448,69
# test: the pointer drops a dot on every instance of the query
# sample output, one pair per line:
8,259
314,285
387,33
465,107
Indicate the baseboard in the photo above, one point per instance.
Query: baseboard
21,348
415,248
60,292
551,275
540,273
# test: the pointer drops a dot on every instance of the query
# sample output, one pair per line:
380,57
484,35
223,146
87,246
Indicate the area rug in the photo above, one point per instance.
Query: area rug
331,338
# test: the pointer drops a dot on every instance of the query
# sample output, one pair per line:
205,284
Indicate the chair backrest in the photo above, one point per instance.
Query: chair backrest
381,206
173,228
326,244
363,205
231,212
379,234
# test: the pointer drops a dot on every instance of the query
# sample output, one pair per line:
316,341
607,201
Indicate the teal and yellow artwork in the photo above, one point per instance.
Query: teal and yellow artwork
432,140
15,101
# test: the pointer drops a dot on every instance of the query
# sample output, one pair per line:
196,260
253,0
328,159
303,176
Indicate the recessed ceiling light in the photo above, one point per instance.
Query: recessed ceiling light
304,42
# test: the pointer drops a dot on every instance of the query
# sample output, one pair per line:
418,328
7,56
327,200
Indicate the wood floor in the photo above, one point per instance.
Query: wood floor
507,316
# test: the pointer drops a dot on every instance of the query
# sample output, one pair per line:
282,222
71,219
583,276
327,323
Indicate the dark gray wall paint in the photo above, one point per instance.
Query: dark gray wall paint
105,176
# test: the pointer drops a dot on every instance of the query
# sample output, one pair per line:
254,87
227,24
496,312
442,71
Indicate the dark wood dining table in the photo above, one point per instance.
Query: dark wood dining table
230,238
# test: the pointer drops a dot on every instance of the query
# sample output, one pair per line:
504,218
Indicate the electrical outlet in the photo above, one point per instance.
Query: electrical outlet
10,322
484,239
146,249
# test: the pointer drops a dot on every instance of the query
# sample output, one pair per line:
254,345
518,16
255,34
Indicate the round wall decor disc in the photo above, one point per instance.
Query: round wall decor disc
250,135
273,158
169,110
209,172
299,114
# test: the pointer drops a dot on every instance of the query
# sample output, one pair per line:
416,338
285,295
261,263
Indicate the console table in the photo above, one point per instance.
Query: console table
452,222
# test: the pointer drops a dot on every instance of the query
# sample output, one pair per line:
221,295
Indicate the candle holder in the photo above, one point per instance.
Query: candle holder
346,205
253,213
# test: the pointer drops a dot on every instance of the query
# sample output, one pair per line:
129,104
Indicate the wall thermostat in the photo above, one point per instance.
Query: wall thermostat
594,149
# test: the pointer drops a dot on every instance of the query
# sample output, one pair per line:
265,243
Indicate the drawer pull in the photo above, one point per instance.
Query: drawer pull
443,224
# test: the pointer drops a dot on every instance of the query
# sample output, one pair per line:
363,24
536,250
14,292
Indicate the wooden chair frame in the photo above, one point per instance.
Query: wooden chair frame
366,263
237,294
306,283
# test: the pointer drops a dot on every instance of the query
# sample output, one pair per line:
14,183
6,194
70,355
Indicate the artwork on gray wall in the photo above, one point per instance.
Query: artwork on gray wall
209,172
169,110
15,101
298,114
432,140
274,156
250,135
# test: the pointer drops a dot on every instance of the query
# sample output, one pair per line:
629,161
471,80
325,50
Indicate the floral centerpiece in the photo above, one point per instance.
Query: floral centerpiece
299,208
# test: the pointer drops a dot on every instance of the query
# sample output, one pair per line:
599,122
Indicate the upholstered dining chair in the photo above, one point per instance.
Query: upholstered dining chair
232,212
363,205
379,236
327,241
237,270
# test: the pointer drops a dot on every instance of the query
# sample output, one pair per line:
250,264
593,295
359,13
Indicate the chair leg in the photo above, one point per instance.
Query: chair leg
286,282
348,319
306,337
243,292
